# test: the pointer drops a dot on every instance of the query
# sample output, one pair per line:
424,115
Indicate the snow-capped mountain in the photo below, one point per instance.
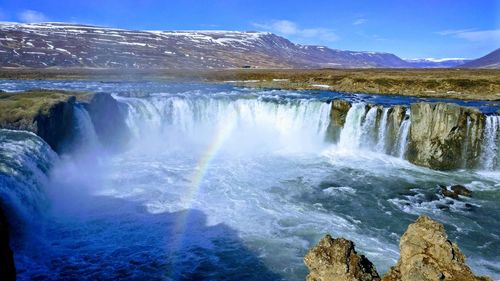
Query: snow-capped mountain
76,45
491,60
437,63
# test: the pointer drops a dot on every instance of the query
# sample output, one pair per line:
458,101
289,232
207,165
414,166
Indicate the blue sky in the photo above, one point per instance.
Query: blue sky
409,29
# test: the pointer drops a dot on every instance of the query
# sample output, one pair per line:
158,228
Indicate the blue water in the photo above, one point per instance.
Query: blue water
150,87
227,183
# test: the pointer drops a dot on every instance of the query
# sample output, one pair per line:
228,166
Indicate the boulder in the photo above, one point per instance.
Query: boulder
444,136
455,191
336,259
338,115
426,254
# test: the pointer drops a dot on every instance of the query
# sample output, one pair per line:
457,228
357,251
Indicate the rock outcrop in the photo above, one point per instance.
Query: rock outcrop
426,255
49,114
338,115
395,117
455,191
445,136
7,267
336,259
57,126
108,117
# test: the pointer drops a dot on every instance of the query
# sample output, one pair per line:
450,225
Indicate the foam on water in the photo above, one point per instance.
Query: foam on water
25,161
262,187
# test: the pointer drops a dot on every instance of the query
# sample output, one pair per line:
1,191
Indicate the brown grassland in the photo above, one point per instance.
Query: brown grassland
466,84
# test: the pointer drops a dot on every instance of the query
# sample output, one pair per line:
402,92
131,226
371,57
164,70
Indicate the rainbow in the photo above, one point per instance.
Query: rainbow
223,131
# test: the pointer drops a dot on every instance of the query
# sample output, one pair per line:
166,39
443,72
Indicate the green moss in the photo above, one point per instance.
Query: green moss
26,105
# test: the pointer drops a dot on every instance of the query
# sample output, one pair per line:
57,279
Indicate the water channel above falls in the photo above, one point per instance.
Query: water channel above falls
220,182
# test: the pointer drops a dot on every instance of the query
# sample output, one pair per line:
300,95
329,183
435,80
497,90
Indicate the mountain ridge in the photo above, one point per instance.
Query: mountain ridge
45,45
490,60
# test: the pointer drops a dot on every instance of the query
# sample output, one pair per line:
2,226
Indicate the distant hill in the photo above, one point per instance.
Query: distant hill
46,45
491,60
437,63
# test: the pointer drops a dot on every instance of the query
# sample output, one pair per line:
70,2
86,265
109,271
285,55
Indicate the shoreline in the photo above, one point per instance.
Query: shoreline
461,84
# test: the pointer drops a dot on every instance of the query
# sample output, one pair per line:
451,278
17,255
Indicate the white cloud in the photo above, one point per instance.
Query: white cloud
290,28
360,21
32,16
473,35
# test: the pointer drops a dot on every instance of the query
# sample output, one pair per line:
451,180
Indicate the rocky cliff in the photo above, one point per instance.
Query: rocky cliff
426,254
445,136
7,268
108,117
338,114
49,114
395,117
57,125
441,136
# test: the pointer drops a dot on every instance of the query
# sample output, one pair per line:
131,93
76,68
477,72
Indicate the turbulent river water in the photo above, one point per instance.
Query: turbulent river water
230,183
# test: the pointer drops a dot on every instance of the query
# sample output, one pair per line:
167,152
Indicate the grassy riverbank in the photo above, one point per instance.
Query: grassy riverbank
17,107
466,84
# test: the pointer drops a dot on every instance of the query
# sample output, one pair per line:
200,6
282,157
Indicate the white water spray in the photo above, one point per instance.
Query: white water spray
382,131
490,152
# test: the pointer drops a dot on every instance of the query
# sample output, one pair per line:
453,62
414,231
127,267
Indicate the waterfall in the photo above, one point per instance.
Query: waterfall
490,152
368,128
402,139
296,122
380,147
25,161
85,132
352,131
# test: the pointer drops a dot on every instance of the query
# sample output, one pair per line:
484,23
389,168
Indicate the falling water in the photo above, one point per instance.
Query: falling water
382,130
263,188
402,139
25,162
297,123
85,133
490,151
352,131
368,128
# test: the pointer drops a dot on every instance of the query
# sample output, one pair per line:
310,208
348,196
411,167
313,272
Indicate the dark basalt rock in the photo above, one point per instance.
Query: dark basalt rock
108,116
57,127
7,267
455,191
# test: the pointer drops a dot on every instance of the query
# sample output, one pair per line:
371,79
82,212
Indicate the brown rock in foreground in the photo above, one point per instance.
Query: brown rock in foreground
426,255
336,259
